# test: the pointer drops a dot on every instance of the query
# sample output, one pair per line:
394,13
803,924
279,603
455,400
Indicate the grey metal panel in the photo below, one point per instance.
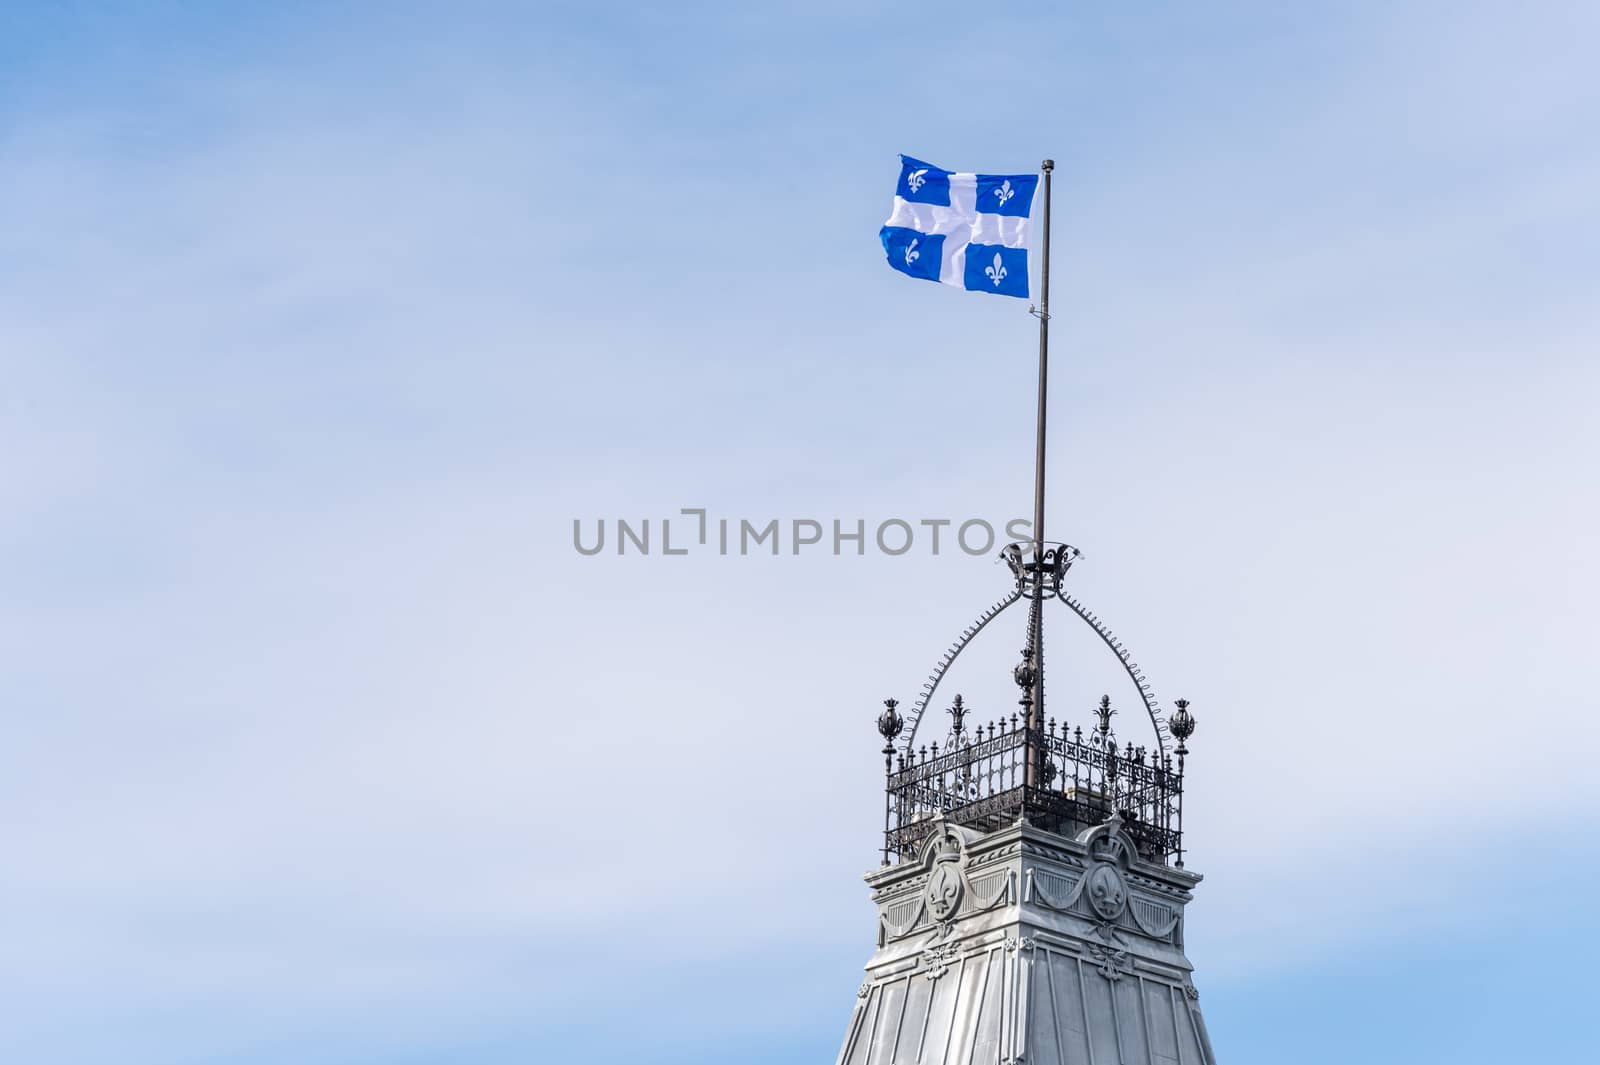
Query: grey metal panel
1068,997
991,1005
1103,1038
1188,1042
1018,1022
969,998
941,1020
890,1011
1130,1021
914,1020
866,1033
1163,1029
853,1035
1072,1027
1044,1039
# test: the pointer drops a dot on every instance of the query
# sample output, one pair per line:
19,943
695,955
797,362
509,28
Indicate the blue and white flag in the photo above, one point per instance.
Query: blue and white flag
967,230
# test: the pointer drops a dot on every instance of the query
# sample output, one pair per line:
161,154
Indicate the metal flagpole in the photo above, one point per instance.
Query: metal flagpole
1036,716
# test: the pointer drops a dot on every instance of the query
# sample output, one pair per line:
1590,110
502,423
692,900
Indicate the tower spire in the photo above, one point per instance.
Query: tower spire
1032,893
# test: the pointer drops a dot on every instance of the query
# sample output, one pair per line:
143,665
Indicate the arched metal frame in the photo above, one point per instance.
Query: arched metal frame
1151,706
932,685
1135,674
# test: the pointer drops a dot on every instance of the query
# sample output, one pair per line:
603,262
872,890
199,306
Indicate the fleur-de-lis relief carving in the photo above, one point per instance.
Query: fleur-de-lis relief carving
997,272
1005,191
917,178
912,254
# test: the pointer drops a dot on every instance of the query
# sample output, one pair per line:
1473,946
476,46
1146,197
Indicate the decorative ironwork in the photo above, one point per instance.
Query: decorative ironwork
958,714
1024,675
890,723
1034,563
1182,726
1057,559
932,685
1024,767
1128,664
982,783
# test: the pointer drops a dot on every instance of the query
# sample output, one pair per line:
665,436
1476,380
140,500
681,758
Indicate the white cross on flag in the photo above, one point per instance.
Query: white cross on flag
967,230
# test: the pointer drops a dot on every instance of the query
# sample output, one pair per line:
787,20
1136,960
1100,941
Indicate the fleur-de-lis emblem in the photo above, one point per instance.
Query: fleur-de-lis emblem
916,179
912,254
1005,191
997,272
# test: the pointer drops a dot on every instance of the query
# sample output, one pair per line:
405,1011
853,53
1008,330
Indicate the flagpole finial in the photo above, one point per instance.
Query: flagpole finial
1048,165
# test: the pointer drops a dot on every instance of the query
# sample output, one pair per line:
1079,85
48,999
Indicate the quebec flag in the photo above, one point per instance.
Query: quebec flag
967,230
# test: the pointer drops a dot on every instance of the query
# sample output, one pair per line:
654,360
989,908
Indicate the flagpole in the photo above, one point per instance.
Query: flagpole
1036,716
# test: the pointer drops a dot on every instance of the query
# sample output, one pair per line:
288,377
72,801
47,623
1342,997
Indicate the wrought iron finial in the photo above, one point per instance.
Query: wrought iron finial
958,715
1181,725
890,722
1106,714
1025,673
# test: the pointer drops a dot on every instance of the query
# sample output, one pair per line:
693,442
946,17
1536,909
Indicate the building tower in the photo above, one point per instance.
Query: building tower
1032,893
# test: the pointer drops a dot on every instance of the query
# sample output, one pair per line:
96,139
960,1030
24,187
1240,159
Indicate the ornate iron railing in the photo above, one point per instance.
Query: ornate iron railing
982,779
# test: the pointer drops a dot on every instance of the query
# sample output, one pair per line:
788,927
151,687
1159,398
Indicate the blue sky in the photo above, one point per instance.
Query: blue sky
320,325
